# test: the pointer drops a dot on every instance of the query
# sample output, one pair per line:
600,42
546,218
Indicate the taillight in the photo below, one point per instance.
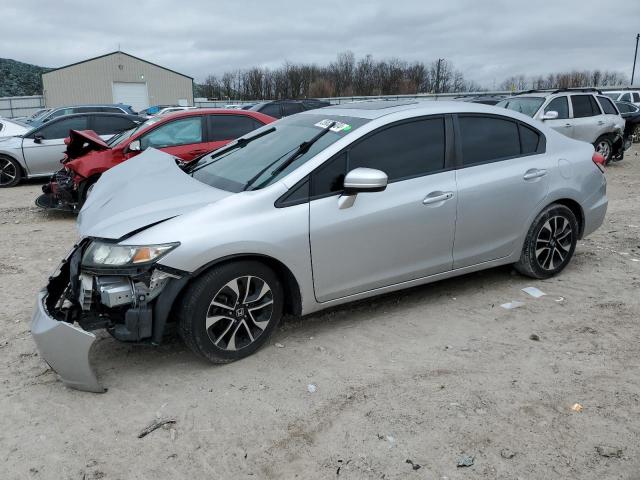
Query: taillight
599,160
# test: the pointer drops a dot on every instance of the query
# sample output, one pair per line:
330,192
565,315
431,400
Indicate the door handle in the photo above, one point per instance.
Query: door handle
534,173
600,122
436,197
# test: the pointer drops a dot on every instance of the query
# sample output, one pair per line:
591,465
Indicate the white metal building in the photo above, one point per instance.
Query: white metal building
116,77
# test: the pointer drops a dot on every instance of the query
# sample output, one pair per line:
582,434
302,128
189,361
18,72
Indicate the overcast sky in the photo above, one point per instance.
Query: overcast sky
488,40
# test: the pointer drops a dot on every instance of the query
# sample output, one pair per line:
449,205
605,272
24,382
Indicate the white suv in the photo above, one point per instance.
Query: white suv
583,114
631,96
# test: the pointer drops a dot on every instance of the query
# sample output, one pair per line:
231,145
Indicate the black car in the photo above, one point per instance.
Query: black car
284,108
631,115
483,99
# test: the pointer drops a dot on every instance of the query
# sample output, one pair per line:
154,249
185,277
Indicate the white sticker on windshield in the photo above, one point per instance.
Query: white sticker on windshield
337,127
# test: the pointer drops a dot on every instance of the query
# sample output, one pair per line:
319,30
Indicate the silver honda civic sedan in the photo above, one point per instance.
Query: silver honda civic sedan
315,210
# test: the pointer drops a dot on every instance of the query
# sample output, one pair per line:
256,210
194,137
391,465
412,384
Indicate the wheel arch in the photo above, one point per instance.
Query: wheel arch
23,170
293,296
577,210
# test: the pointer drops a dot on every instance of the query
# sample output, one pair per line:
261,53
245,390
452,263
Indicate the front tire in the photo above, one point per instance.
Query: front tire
84,189
10,172
231,311
550,243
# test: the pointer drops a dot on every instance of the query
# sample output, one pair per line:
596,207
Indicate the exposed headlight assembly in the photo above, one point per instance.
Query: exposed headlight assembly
102,254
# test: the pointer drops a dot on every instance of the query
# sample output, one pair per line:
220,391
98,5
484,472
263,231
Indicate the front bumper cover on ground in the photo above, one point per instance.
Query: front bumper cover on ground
65,348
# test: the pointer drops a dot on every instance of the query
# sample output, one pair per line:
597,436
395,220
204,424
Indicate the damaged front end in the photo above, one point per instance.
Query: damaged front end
132,303
62,191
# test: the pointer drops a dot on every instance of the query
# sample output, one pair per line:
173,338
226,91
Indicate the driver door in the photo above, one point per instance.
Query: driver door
44,148
402,233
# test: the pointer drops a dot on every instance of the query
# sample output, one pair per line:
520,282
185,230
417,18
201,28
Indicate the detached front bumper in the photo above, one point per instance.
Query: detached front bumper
60,193
65,348
133,306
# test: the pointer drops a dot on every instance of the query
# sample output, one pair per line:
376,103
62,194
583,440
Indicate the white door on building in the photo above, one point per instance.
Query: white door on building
130,93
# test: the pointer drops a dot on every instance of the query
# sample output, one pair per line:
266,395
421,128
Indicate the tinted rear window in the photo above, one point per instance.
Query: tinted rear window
230,127
485,139
582,106
607,106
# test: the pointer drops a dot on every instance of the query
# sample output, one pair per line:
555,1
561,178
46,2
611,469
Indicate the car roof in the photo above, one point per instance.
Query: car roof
379,108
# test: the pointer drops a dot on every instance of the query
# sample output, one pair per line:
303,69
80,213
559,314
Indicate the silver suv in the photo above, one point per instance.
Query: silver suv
315,210
584,114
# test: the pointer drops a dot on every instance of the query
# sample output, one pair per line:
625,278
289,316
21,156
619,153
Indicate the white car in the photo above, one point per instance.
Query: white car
10,128
631,96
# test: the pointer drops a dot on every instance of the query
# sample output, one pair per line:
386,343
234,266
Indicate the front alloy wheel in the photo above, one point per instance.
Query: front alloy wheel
230,311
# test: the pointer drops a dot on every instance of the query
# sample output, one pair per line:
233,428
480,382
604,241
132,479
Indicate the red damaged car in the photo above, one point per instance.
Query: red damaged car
186,135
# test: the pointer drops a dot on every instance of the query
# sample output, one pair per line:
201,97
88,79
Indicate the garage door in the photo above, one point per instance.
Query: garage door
134,94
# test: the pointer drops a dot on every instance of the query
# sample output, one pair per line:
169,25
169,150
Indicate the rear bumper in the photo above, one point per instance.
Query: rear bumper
65,347
595,209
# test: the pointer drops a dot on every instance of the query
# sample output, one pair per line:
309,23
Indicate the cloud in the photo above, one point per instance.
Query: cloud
488,40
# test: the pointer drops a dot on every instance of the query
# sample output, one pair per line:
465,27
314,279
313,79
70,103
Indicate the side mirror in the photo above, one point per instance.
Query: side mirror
361,180
134,146
550,115
38,139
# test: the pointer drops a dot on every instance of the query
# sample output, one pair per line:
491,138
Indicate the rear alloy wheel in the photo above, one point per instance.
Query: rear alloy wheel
604,147
550,242
10,172
231,311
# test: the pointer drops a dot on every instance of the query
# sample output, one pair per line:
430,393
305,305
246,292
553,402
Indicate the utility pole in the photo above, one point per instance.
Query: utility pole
438,75
635,55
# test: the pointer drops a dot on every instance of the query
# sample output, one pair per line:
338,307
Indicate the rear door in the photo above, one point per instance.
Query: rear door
222,129
588,121
183,137
402,233
43,154
502,180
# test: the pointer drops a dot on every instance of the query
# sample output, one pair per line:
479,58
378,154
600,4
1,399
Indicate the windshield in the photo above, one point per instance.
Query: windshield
253,165
527,105
118,138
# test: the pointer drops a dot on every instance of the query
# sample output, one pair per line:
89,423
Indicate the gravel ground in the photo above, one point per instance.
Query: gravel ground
429,376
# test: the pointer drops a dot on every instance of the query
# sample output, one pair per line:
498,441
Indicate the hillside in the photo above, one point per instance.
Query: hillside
17,78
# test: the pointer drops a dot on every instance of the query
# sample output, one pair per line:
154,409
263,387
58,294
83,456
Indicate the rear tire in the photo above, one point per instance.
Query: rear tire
550,243
231,311
604,146
10,172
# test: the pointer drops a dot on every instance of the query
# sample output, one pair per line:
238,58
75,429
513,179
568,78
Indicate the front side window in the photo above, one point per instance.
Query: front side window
271,109
612,96
183,131
59,113
636,97
108,125
607,106
527,105
486,139
582,106
291,108
60,129
402,151
626,97
560,105
229,127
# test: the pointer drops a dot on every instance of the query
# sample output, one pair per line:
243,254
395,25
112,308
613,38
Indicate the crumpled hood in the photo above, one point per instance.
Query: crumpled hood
144,190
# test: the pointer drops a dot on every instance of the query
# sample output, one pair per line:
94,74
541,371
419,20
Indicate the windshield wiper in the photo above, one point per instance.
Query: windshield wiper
240,143
301,150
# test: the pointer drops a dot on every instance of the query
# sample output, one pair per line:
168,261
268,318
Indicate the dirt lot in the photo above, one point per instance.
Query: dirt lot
427,375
